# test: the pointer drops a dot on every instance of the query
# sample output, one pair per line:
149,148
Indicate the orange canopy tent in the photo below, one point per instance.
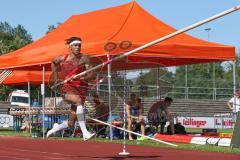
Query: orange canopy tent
128,22
23,77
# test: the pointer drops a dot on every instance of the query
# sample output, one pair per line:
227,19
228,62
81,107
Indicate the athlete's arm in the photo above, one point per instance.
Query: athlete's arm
88,64
55,67
141,112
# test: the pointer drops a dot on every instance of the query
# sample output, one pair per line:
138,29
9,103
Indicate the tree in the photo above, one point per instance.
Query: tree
147,82
200,78
199,75
52,27
150,77
11,39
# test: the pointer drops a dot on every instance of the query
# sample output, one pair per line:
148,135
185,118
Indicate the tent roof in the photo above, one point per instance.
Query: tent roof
128,22
23,77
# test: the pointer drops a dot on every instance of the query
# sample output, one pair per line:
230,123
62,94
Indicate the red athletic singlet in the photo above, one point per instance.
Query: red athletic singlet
76,86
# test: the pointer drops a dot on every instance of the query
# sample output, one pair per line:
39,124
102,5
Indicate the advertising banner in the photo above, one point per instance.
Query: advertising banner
6,120
206,122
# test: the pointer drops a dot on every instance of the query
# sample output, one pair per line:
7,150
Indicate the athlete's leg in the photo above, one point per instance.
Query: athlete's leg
65,124
142,127
57,127
80,114
129,120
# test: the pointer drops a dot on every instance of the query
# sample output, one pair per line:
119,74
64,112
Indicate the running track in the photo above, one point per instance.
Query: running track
19,148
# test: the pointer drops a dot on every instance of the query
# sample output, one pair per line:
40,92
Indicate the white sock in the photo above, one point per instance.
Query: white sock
81,120
61,126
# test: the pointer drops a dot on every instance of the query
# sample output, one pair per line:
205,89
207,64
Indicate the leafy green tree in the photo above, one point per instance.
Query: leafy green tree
150,78
201,76
200,79
11,39
147,82
4,91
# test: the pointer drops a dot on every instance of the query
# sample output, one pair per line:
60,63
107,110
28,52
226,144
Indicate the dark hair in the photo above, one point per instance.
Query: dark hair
69,40
169,99
95,96
139,100
132,94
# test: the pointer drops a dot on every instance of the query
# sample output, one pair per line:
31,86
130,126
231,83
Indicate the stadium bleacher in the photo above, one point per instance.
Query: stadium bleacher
4,107
181,107
187,108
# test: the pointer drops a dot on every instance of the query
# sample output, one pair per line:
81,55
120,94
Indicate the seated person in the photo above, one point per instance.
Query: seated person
159,114
134,109
102,112
116,120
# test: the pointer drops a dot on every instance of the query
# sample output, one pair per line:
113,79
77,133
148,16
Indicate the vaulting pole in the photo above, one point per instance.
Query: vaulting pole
152,43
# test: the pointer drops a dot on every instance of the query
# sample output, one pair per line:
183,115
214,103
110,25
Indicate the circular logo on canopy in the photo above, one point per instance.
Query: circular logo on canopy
110,46
125,45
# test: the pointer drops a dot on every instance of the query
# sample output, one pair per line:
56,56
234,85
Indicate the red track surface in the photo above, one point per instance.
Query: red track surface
18,148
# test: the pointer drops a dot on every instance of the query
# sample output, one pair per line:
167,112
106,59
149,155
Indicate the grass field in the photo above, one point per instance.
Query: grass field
205,148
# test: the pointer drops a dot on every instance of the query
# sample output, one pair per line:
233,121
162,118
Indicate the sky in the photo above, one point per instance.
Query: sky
36,16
